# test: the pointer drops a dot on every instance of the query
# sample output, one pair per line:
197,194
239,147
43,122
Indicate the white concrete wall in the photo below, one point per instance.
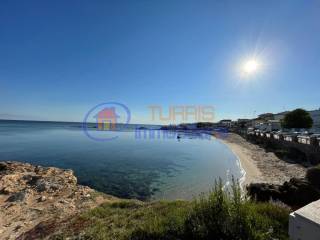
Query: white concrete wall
304,224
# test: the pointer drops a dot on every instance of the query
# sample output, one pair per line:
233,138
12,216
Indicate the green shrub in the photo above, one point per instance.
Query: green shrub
313,175
222,215
225,215
125,204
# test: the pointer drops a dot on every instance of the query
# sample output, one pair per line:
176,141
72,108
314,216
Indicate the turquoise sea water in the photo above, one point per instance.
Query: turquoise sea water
129,167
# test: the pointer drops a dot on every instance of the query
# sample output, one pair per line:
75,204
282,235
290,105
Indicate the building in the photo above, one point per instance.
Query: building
255,123
225,123
272,122
273,125
242,122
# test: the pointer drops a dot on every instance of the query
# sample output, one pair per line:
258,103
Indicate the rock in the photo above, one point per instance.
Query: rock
3,167
42,199
295,193
7,190
27,177
41,185
298,192
35,194
313,176
44,184
264,191
63,201
17,228
17,197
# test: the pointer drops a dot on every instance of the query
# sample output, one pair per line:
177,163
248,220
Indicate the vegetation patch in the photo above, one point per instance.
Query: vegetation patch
218,215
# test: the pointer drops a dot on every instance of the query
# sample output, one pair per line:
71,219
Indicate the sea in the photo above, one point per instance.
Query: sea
131,161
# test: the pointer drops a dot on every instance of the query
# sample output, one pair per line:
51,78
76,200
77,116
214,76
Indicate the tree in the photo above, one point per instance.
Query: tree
298,118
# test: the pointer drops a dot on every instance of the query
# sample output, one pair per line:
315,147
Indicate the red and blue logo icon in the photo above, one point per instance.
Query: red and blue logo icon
103,120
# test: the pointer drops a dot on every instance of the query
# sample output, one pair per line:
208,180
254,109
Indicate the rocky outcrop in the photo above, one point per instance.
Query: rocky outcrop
295,193
31,195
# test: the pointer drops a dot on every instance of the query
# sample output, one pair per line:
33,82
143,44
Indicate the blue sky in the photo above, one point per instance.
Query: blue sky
58,59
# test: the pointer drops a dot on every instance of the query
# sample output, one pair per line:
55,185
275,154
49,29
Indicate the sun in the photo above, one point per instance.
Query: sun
250,66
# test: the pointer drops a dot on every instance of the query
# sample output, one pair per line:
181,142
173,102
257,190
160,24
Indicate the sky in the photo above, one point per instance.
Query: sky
58,59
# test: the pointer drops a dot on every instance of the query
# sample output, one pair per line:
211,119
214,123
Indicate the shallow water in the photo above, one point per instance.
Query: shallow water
128,166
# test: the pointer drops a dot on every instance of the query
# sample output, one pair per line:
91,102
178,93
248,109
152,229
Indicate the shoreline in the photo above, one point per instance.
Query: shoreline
248,170
261,166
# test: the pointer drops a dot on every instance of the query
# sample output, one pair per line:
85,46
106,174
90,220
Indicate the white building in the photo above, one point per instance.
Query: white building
225,123
274,125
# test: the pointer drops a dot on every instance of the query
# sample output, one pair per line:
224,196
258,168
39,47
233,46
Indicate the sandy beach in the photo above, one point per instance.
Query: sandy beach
259,165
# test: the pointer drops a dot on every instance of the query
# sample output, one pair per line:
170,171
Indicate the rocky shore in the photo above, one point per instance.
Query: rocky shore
262,166
295,193
270,178
32,195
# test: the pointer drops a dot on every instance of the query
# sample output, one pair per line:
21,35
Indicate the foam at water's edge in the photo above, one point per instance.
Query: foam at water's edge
243,172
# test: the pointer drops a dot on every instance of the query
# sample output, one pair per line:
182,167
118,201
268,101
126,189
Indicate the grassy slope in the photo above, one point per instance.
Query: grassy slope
220,215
